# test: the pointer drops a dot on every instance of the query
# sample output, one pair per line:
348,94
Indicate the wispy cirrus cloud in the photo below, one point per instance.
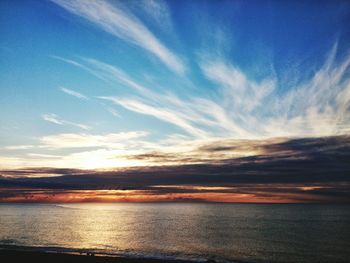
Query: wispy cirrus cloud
74,93
51,117
122,24
158,11
238,91
245,108
81,66
166,107
114,112
166,115
316,106
194,115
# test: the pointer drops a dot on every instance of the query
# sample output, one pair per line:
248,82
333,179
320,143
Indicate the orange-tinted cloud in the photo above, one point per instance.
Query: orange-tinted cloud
241,194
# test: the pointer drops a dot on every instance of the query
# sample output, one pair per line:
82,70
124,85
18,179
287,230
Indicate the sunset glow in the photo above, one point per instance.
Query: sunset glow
159,101
106,196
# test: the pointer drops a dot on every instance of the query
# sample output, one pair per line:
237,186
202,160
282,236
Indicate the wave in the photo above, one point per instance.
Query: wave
66,206
90,206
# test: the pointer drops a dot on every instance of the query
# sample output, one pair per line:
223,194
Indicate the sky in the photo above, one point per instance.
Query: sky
233,101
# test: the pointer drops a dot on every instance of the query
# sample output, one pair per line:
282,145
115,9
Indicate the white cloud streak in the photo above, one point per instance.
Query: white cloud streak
82,140
74,93
19,147
124,25
166,115
51,117
81,66
113,112
158,11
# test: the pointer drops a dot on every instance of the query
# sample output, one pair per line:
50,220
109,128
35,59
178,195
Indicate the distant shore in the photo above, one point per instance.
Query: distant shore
24,254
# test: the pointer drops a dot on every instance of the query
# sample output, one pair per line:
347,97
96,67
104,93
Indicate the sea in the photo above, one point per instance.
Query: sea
193,231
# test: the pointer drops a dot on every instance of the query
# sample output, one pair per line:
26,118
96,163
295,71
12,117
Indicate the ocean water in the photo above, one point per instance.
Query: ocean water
223,232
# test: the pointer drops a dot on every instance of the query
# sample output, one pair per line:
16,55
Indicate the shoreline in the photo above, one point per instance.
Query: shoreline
57,254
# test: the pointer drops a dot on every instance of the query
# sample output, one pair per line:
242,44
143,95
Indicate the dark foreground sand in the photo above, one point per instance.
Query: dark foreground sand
9,255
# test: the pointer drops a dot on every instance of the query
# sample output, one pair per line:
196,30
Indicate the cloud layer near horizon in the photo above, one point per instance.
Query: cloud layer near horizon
299,170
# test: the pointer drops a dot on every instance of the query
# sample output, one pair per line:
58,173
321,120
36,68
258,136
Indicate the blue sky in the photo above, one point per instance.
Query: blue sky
90,83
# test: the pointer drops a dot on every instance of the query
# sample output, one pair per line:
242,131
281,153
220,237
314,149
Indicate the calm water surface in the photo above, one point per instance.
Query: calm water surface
233,232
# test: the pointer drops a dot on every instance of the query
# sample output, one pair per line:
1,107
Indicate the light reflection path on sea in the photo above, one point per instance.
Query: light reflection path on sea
247,232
